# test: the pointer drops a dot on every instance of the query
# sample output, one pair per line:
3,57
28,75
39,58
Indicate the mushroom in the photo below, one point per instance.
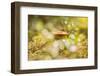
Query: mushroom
60,33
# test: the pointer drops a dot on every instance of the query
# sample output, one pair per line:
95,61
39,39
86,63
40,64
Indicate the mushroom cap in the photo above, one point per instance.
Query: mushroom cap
60,33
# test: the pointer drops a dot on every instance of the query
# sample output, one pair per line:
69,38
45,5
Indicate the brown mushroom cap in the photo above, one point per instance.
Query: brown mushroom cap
60,33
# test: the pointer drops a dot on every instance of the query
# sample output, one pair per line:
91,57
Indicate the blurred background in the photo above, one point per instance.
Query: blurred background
57,37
